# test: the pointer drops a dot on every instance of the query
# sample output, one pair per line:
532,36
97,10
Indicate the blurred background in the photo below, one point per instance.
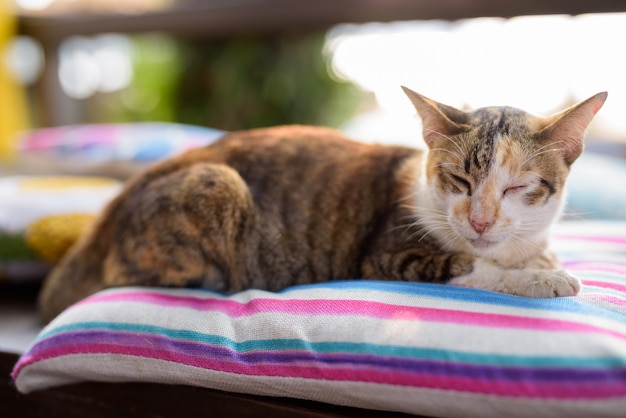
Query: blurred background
240,64
72,72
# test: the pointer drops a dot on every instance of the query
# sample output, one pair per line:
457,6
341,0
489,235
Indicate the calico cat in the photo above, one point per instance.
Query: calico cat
274,207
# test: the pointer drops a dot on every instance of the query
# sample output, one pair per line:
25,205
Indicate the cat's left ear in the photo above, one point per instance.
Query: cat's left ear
566,130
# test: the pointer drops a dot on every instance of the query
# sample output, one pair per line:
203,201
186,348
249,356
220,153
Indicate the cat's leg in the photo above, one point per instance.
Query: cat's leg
545,260
422,264
184,229
540,276
529,282
541,279
177,229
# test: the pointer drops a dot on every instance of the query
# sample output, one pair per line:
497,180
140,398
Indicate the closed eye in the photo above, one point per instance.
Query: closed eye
463,183
514,189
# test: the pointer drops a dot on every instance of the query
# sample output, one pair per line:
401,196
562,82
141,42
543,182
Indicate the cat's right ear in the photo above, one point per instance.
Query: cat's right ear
438,120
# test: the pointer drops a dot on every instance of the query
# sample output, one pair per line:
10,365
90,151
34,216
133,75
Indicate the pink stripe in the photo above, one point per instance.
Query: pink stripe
607,240
596,266
529,389
355,307
606,285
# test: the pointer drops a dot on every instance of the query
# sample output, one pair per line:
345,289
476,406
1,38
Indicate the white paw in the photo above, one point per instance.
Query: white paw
549,284
528,282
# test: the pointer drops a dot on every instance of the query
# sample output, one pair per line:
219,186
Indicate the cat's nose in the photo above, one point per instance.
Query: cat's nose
480,224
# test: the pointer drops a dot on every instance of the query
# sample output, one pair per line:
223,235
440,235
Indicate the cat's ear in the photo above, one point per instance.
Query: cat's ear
438,120
566,130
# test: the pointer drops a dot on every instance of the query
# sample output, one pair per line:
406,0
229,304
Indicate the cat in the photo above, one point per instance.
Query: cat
273,207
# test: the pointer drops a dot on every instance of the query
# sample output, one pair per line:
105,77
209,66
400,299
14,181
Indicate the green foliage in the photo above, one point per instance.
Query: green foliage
13,248
245,83
232,84
157,66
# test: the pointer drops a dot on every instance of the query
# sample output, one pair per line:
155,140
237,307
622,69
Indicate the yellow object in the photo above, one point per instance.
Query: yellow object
13,117
50,237
65,182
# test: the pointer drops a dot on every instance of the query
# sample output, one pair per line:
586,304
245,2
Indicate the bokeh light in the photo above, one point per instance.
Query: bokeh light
99,64
537,63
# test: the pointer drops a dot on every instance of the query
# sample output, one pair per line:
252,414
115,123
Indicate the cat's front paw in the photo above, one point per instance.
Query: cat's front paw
551,283
528,282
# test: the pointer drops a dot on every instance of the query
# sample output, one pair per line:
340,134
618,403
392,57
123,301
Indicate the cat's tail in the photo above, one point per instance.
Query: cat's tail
76,276
80,272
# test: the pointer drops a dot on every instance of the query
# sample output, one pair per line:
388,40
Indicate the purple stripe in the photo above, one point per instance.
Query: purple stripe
85,341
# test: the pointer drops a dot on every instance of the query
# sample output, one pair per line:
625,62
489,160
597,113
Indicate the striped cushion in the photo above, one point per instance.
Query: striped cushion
410,347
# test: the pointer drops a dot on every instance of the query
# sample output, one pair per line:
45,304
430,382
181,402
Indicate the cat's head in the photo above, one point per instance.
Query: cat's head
495,176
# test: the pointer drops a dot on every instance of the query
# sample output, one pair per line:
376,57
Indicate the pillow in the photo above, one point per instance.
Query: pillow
408,347
112,150
42,216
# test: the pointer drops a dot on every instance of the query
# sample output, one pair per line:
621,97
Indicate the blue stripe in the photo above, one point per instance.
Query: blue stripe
461,294
469,295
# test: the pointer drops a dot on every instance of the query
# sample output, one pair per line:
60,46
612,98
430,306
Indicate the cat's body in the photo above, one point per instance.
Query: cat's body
274,207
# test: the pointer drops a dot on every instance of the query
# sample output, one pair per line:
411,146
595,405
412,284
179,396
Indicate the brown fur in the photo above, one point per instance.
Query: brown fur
270,208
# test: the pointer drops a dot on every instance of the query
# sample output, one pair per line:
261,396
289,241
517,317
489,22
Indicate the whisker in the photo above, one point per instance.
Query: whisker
543,150
525,243
454,154
408,196
446,137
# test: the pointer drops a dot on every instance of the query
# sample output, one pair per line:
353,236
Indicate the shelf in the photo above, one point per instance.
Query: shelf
229,17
